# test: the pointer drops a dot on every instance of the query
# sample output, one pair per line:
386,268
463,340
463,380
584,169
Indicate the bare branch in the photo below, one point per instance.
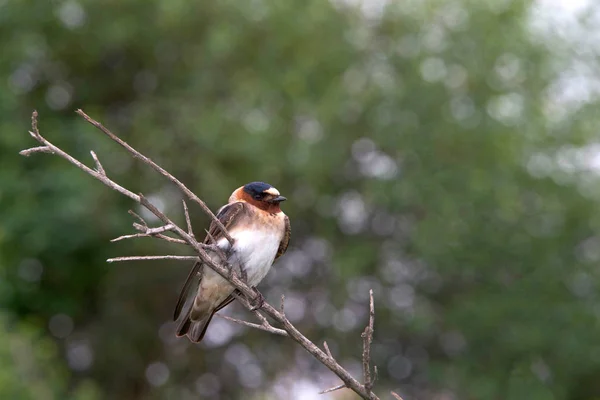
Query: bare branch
142,221
220,267
34,124
123,237
396,396
261,317
262,327
170,239
151,232
159,169
146,258
40,149
187,219
160,229
99,167
367,337
246,303
102,178
327,350
140,227
333,389
159,236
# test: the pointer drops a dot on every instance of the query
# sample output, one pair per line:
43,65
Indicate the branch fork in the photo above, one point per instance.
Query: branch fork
245,294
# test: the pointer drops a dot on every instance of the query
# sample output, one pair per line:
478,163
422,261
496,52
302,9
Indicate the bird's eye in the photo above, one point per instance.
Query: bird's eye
258,196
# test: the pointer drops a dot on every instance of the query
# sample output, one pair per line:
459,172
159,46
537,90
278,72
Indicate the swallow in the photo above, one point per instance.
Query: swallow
261,234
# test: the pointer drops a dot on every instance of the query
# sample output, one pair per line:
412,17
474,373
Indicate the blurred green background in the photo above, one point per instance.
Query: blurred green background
443,153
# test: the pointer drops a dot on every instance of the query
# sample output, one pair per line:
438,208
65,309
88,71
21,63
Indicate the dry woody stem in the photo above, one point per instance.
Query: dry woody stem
247,295
367,337
396,396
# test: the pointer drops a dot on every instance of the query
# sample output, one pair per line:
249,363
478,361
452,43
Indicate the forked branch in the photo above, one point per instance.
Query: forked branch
186,236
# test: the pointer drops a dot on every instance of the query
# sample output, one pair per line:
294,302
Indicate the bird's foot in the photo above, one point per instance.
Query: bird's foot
258,301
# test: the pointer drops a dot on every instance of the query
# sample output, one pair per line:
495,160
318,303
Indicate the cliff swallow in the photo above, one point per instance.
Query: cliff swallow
261,233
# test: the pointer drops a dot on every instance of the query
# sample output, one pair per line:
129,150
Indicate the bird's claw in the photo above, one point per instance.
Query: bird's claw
258,301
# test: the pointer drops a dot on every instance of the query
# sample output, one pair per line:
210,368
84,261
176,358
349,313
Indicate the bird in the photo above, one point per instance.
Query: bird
261,234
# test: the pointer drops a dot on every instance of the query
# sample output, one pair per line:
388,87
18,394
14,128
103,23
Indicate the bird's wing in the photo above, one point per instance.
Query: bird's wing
185,288
225,302
228,215
283,245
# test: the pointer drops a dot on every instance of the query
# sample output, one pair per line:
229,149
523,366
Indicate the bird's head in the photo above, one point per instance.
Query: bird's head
259,194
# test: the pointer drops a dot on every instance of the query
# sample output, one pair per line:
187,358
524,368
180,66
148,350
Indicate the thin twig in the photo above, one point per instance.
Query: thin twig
135,235
146,258
327,350
102,178
282,306
158,235
151,232
261,317
159,169
396,396
40,149
367,337
99,167
160,229
248,305
170,239
187,219
267,328
333,389
34,122
140,227
136,216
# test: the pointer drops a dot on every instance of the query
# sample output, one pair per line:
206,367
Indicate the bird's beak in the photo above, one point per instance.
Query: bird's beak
278,199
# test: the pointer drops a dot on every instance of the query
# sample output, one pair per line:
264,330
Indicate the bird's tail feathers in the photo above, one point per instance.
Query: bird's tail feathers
194,330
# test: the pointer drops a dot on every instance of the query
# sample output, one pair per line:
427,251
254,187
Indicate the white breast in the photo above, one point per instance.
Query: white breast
255,250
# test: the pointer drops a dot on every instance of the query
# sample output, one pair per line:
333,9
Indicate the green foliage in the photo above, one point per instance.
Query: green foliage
427,154
31,368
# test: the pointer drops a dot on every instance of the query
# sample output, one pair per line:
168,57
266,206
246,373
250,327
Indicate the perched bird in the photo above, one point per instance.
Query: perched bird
261,233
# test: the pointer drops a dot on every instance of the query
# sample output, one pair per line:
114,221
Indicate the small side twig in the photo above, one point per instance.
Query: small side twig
146,231
396,396
55,150
99,166
146,258
187,219
160,229
327,349
333,389
248,305
282,306
157,168
159,236
367,337
136,216
40,149
262,327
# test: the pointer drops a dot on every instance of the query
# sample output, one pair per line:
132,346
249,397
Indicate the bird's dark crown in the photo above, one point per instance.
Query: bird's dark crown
257,189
